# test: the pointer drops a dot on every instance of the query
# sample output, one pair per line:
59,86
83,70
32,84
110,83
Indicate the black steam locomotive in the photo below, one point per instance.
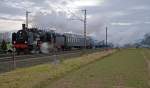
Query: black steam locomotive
31,39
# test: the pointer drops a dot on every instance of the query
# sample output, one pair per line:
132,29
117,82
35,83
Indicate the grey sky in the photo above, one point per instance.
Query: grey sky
127,20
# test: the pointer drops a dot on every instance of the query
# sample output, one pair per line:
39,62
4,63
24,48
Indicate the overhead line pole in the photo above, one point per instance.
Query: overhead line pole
85,23
106,35
85,26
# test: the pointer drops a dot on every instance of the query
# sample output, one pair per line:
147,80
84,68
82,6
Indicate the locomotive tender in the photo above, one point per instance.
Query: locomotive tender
31,39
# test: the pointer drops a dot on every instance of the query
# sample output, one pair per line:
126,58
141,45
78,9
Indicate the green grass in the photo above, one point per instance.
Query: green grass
41,75
125,69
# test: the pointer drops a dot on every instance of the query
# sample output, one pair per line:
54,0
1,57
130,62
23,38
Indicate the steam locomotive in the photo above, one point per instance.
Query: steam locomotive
28,40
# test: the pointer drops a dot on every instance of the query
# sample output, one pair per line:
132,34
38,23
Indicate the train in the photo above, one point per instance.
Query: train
34,40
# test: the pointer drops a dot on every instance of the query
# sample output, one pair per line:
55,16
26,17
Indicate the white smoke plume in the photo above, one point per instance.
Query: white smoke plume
126,24
62,23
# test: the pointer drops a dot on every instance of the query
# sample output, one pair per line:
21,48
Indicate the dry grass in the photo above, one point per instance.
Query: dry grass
39,76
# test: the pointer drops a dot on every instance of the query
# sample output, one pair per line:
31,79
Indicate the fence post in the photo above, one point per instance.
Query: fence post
13,57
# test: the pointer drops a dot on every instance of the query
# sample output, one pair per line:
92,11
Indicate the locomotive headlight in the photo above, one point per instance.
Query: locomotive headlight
25,42
14,42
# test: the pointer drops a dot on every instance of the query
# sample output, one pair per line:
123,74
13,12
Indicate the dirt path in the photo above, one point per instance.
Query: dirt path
147,63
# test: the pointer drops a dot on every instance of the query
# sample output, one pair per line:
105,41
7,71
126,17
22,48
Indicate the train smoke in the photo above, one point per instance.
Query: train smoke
124,26
62,23
44,48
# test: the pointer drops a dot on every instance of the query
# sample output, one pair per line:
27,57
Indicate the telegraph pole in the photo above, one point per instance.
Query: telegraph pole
27,14
106,35
85,23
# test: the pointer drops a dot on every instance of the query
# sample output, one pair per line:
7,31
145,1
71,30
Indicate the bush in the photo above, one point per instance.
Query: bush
4,45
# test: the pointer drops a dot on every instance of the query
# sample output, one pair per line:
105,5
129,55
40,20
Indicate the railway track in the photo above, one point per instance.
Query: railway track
21,61
4,55
10,58
7,58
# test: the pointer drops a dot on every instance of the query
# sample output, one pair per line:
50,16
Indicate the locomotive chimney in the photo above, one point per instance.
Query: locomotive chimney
23,26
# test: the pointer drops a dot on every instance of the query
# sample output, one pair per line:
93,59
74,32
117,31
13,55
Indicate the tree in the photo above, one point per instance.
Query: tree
4,45
146,40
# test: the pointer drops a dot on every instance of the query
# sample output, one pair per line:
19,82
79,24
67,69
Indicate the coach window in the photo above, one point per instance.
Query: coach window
76,40
68,39
73,39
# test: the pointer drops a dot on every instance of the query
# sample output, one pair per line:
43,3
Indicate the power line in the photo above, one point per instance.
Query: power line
73,14
76,17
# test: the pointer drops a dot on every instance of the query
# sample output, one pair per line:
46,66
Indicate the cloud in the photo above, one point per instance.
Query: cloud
141,8
8,25
11,18
147,22
88,2
121,24
127,20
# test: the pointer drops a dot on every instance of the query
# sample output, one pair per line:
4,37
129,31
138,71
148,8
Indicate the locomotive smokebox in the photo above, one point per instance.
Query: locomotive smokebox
23,26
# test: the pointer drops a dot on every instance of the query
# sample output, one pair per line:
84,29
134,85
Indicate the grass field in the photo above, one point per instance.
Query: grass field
40,76
125,69
128,68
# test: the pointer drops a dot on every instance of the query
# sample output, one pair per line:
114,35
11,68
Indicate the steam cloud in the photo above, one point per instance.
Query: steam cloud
62,23
126,24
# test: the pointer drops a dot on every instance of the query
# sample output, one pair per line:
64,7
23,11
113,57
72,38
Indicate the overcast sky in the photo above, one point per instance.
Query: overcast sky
127,20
